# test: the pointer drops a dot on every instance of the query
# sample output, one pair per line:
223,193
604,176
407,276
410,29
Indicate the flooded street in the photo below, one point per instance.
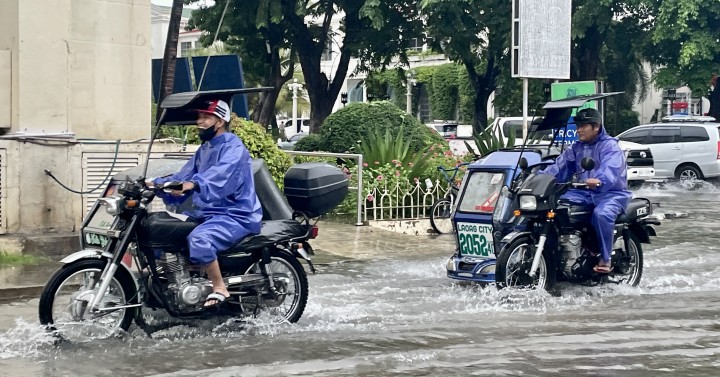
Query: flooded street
392,311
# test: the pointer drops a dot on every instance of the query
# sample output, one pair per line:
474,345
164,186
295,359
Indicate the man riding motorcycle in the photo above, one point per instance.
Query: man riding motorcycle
220,175
607,194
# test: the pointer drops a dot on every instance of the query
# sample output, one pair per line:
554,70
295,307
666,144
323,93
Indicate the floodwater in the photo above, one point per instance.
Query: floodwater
392,311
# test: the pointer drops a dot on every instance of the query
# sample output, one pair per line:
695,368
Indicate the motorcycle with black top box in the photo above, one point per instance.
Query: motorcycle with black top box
135,259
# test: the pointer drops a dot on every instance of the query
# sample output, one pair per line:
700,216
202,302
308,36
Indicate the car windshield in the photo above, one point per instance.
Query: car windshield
481,192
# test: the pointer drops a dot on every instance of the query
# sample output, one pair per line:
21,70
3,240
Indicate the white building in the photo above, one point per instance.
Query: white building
160,20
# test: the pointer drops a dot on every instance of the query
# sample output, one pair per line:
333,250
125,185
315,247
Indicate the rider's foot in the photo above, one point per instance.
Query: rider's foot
603,267
216,298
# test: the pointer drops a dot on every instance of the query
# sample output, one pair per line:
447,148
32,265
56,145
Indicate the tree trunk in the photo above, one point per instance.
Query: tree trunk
167,76
714,110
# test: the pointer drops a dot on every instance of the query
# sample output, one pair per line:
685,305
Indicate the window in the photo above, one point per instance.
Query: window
185,48
689,134
664,135
636,136
481,192
416,44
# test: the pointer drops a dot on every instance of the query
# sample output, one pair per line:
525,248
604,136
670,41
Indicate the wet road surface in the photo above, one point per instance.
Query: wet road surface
383,306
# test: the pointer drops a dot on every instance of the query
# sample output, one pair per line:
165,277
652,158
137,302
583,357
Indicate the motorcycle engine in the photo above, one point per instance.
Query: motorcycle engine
185,291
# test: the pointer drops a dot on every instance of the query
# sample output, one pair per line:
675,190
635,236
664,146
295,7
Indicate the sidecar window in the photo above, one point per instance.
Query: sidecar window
481,192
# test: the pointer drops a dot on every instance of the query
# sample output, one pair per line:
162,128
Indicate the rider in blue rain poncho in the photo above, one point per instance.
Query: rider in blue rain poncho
219,176
607,181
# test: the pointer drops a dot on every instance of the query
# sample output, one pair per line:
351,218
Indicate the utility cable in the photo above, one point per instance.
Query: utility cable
117,149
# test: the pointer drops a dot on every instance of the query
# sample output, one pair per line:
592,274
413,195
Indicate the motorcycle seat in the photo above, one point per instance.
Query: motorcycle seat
272,231
638,207
162,231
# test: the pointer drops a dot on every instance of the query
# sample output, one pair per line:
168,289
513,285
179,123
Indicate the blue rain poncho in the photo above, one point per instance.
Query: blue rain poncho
610,199
225,200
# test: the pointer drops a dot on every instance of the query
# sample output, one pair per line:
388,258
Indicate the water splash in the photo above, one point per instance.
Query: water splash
25,339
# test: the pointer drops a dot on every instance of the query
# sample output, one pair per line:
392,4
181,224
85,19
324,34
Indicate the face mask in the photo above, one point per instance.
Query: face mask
207,133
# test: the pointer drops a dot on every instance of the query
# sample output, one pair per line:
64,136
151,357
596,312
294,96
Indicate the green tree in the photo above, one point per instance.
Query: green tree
476,34
685,44
251,30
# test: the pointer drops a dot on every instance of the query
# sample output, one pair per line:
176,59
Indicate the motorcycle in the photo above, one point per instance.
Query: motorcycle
144,262
554,241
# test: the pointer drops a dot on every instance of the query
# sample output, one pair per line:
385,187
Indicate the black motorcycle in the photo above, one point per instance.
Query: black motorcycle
559,244
143,263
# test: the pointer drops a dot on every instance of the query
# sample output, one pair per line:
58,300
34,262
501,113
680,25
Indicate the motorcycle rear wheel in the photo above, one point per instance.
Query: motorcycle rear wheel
514,263
291,283
632,270
64,301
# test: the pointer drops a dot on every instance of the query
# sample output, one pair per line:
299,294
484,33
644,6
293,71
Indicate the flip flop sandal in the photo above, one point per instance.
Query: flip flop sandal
602,269
218,297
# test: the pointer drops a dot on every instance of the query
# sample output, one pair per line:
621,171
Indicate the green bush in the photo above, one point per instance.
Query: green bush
260,144
310,143
344,129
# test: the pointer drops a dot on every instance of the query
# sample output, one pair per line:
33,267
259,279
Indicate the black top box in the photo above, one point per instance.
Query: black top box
315,188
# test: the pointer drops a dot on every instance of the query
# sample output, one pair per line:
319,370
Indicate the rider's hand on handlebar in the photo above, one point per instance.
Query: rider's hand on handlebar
593,183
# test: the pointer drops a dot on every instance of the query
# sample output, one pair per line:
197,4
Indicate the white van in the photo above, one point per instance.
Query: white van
639,157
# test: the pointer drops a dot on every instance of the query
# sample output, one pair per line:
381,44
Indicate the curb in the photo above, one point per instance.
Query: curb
16,293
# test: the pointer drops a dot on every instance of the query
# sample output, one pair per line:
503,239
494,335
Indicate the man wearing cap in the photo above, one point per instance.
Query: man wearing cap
607,181
219,176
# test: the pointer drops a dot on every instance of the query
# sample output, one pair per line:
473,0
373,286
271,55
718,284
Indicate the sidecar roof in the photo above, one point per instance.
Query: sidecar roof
506,159
558,112
179,106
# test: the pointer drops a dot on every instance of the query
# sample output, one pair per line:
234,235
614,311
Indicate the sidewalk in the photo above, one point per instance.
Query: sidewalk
334,241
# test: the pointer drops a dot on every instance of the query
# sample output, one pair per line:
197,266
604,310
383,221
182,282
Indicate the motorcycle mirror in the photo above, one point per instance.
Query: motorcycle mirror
523,163
587,163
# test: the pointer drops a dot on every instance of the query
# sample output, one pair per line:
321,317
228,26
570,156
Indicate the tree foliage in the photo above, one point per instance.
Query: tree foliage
475,34
351,125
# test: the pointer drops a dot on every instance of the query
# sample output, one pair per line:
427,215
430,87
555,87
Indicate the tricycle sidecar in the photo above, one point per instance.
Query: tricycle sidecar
483,211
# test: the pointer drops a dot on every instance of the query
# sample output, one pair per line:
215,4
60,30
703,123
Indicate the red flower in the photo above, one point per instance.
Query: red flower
397,173
379,178
370,198
377,162
365,164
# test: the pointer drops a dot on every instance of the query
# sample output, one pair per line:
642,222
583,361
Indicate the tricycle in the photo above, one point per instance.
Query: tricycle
501,238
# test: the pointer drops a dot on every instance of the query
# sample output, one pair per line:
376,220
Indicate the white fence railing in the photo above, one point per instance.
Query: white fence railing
401,201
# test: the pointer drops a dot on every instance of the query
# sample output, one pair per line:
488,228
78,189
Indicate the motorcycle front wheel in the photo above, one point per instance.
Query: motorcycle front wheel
65,299
514,263
290,297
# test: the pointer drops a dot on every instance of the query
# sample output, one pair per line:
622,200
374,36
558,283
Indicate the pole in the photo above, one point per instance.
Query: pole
410,83
294,87
525,109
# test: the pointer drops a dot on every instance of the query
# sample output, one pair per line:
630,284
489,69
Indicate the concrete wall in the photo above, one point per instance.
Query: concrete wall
78,66
66,66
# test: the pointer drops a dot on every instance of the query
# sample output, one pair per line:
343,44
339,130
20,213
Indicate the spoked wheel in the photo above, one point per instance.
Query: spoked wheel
65,300
441,216
630,266
288,299
689,177
513,267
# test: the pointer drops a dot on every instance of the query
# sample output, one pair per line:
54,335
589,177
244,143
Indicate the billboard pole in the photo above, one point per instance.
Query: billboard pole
525,108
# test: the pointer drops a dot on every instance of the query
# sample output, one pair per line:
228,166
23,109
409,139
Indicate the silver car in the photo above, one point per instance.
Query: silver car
686,149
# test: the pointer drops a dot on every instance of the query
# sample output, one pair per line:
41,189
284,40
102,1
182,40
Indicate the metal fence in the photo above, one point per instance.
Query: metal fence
402,201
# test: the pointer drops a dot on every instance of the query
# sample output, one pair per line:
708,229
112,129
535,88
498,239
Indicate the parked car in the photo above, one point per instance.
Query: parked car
686,149
446,129
290,130
639,157
291,141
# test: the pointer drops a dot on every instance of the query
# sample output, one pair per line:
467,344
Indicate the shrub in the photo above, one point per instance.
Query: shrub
260,144
343,129
309,143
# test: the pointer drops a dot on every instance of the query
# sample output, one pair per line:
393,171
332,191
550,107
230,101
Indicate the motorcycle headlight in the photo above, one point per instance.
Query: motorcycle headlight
112,205
528,202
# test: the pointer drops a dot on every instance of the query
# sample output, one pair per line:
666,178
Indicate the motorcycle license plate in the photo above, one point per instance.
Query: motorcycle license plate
475,239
